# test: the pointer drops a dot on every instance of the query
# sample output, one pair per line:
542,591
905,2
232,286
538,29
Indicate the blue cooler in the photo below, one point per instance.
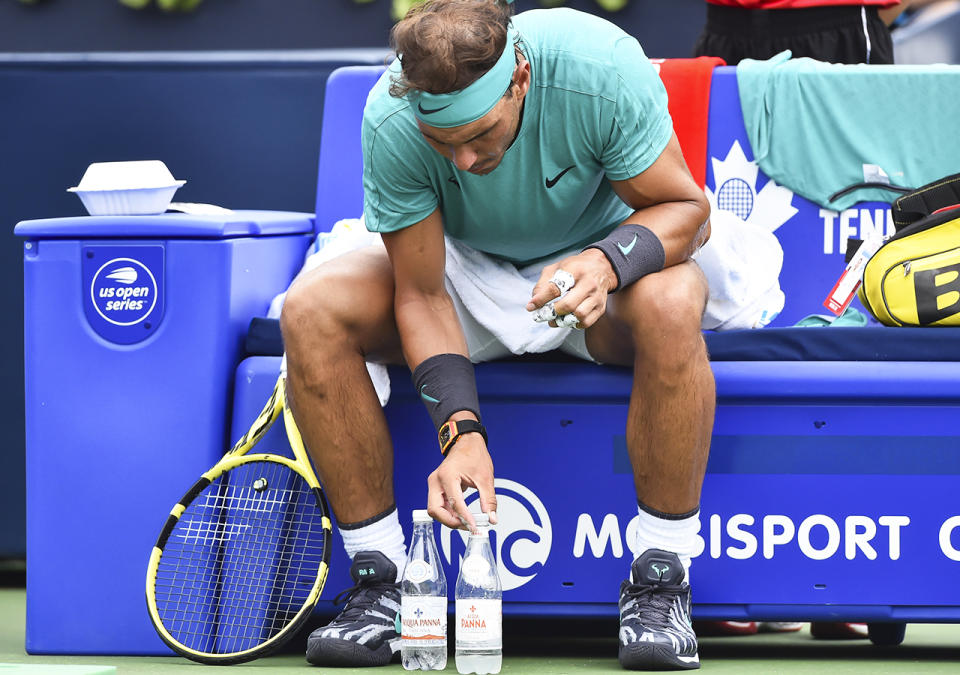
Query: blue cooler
134,326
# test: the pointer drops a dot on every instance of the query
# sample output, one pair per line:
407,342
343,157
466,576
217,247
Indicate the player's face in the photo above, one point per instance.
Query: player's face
479,147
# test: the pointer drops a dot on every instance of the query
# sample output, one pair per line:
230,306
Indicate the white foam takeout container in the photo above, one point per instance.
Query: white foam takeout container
126,188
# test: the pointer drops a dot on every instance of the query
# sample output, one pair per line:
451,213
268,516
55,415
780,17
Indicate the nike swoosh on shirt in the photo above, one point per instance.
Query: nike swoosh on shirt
427,397
431,110
625,250
550,182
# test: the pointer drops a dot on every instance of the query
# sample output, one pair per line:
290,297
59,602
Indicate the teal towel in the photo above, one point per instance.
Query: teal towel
850,317
817,127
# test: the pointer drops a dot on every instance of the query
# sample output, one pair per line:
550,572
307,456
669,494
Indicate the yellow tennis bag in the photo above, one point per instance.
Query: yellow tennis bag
914,278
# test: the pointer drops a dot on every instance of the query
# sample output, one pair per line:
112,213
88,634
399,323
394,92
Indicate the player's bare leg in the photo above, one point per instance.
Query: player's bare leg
334,319
654,326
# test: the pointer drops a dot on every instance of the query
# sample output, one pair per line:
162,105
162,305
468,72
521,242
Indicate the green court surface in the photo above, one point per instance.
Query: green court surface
545,647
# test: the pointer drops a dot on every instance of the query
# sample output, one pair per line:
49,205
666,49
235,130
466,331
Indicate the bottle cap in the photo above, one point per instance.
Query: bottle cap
421,516
481,519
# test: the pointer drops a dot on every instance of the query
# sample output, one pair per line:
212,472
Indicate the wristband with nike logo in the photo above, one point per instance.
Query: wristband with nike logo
634,251
446,385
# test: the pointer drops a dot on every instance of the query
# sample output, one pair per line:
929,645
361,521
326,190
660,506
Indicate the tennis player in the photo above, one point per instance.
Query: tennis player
540,137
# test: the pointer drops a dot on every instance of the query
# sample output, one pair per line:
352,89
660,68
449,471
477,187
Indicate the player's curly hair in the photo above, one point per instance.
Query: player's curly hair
444,45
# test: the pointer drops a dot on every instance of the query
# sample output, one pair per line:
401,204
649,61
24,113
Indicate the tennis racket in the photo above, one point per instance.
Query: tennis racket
243,556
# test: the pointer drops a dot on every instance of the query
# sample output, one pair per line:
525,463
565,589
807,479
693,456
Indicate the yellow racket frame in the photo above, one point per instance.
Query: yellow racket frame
276,406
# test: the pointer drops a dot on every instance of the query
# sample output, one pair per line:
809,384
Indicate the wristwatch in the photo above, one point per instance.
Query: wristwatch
451,431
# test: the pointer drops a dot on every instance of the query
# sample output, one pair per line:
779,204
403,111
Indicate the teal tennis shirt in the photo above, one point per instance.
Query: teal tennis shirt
596,111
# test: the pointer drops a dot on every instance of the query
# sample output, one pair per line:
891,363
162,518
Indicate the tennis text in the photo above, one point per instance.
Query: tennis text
856,223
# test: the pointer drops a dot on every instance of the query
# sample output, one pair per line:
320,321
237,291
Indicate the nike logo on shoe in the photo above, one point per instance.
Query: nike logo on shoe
625,250
550,182
425,111
427,397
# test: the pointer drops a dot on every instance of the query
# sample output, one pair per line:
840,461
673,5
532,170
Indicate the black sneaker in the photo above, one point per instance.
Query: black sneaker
655,628
366,632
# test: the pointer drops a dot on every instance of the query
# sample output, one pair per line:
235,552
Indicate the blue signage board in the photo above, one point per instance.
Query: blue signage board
792,513
123,293
806,507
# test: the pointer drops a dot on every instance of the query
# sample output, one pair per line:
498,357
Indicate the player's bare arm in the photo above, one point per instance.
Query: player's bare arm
667,202
428,326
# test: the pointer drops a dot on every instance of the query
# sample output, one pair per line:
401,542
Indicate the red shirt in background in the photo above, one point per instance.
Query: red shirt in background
799,4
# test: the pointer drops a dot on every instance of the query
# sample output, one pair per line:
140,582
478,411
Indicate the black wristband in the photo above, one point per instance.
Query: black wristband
446,384
634,251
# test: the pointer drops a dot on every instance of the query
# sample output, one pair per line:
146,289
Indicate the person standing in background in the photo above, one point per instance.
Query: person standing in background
836,31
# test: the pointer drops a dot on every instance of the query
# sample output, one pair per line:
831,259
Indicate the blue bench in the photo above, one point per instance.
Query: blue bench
834,458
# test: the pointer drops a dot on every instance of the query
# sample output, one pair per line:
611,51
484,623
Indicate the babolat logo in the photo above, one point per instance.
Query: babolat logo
123,291
520,541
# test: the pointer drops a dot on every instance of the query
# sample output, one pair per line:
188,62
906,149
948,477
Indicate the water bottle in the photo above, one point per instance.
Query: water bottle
423,601
479,611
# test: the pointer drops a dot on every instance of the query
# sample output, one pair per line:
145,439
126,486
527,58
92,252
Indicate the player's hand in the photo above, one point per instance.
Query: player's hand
468,464
586,300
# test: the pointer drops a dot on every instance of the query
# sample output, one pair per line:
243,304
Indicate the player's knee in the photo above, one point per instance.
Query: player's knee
308,313
666,326
297,313
672,303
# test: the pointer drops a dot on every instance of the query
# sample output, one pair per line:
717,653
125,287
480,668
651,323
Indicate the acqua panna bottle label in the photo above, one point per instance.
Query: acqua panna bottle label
423,620
479,621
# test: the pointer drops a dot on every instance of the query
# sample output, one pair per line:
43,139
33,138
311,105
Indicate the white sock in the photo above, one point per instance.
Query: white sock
381,533
676,535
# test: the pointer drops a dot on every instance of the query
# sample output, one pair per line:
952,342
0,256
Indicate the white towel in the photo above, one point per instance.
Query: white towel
496,293
741,262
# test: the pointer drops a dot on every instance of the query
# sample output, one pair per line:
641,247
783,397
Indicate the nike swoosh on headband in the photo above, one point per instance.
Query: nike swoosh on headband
430,111
625,250
457,108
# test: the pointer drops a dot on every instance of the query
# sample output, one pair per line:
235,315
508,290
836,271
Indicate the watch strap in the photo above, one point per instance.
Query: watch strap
451,431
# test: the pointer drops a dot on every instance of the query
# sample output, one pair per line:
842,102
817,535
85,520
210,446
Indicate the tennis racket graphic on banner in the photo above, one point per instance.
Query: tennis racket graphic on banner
243,556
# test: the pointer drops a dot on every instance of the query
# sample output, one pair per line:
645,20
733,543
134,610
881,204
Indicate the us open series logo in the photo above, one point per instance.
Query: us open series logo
124,291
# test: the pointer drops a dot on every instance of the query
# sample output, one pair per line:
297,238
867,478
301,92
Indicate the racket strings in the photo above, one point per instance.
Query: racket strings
242,560
244,500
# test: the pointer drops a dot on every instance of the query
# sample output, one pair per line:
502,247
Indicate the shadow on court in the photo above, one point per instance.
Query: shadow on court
589,639
804,647
13,573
